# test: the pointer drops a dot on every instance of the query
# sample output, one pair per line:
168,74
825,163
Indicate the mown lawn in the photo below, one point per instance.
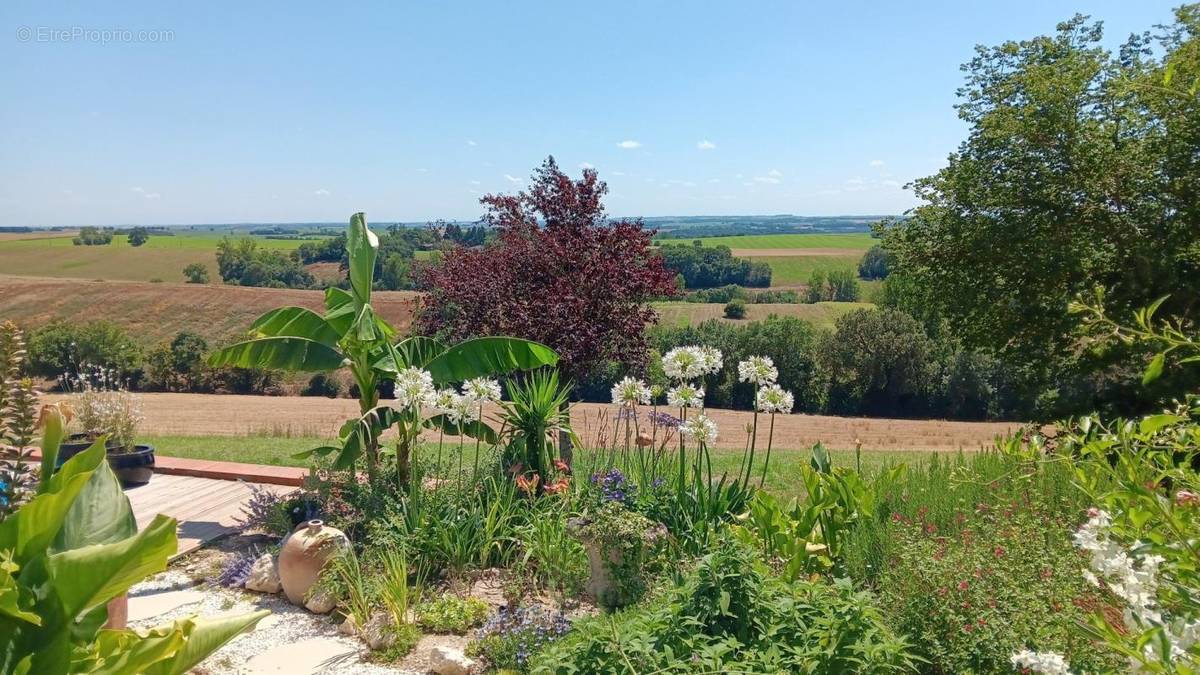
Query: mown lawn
782,476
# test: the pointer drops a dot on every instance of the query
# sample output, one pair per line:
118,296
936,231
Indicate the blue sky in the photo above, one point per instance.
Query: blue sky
298,111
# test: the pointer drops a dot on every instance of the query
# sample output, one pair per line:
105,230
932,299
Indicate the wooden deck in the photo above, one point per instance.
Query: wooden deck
206,508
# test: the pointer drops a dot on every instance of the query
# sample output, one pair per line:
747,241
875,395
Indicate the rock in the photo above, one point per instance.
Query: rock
450,661
378,633
348,627
321,602
263,576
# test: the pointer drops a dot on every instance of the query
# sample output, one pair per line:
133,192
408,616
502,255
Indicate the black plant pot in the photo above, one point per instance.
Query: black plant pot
135,467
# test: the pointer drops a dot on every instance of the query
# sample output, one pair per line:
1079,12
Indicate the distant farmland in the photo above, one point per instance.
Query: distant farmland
162,257
794,257
821,314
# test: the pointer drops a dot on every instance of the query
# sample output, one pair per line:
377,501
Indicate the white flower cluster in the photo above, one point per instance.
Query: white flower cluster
774,399
631,392
700,429
1131,576
1047,663
482,390
114,413
688,363
686,396
414,388
758,370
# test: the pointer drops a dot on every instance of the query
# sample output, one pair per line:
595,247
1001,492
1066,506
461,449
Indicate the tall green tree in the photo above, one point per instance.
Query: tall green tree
1079,171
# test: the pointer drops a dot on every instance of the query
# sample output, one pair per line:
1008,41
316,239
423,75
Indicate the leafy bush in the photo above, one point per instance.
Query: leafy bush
138,236
321,384
93,236
558,561
710,266
874,263
881,361
832,286
196,273
451,614
735,309
62,348
178,365
243,262
514,635
729,616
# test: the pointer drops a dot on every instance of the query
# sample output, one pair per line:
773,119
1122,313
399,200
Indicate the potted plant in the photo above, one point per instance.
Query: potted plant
103,407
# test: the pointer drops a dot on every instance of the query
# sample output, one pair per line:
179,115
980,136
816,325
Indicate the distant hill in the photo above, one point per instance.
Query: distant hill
690,227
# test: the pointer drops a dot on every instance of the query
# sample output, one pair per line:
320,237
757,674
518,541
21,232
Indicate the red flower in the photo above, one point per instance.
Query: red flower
962,585
562,466
998,551
558,487
1187,498
528,485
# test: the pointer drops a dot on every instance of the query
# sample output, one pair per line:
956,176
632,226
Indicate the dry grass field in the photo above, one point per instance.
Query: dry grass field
821,314
152,312
315,417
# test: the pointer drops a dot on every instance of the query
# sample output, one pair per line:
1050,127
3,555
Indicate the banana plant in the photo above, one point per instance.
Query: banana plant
53,599
351,335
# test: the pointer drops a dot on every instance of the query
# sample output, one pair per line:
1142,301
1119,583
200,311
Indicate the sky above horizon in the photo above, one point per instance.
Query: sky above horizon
224,112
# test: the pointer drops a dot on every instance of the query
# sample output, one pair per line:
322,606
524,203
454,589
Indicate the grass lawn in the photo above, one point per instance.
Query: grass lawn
782,476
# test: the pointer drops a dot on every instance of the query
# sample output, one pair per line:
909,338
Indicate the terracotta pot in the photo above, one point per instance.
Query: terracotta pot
304,554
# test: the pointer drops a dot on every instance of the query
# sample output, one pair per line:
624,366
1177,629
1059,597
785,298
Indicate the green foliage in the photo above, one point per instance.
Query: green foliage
533,417
196,273
245,263
557,560
834,285
1094,192
729,616
735,309
178,365
711,266
628,544
875,263
93,236
138,236
880,361
63,348
321,384
52,600
18,404
515,635
451,614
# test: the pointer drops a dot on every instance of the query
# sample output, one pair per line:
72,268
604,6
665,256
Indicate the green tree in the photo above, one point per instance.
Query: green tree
735,309
1078,171
879,362
196,273
874,263
138,236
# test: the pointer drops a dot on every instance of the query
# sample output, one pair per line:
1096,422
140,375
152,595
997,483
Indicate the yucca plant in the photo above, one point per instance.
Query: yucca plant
351,335
534,415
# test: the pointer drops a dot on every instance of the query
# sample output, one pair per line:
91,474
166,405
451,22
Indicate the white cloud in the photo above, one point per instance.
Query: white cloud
511,179
775,173
321,192
706,145
629,145
649,180
140,190
586,165
471,143
857,180
773,180
714,180
152,195
877,162
618,173
474,182
891,183
422,170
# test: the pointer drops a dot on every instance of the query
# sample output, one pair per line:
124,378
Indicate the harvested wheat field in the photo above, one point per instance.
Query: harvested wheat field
295,416
152,312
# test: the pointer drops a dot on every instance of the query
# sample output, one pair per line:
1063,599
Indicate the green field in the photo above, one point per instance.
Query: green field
820,314
781,475
857,241
160,258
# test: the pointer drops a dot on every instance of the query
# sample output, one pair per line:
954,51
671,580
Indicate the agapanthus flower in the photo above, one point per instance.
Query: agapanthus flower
700,429
774,399
686,396
683,363
1047,663
758,370
414,387
462,410
444,400
630,392
711,360
482,390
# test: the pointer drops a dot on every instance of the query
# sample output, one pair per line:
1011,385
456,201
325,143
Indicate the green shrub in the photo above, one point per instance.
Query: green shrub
62,348
729,616
735,309
196,273
321,384
558,561
451,614
515,635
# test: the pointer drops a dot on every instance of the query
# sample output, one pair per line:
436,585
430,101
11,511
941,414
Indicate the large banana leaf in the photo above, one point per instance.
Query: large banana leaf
101,514
355,434
361,247
91,576
284,353
31,528
295,322
489,356
415,351
339,309
124,651
475,429
204,636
